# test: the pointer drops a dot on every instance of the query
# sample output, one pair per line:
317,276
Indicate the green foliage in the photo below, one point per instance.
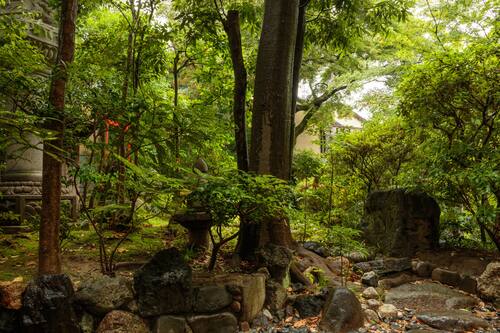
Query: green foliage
452,101
238,194
306,164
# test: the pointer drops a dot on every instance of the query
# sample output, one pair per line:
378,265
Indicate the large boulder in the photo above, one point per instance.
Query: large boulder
488,284
249,290
400,223
211,299
48,306
342,312
118,321
163,285
102,294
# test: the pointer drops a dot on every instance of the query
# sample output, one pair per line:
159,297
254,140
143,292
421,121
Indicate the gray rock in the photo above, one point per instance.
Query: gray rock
387,311
275,295
47,306
384,266
396,281
342,312
373,304
217,323
427,296
118,321
468,284
401,222
370,279
277,259
423,268
488,284
371,316
163,285
356,256
102,294
211,299
370,293
248,289
317,248
445,276
171,324
452,320
309,305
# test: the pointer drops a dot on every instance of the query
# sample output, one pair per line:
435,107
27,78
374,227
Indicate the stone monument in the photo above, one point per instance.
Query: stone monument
21,180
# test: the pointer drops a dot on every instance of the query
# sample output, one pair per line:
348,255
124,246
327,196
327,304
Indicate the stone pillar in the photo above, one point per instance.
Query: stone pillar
21,180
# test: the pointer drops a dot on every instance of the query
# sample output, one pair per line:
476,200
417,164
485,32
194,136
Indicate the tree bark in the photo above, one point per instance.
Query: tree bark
232,29
297,63
271,125
49,261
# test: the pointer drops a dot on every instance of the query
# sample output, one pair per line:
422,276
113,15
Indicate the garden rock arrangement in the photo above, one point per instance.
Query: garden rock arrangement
401,222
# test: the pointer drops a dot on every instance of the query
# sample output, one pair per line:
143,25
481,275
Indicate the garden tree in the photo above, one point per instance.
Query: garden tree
49,261
374,155
453,95
335,28
271,125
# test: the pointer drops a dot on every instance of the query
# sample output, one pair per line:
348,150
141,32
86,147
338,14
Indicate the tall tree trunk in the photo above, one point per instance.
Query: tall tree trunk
271,125
232,28
297,63
269,153
49,261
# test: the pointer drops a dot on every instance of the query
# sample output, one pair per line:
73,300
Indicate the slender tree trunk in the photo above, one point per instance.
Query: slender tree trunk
49,261
271,125
232,28
297,63
177,134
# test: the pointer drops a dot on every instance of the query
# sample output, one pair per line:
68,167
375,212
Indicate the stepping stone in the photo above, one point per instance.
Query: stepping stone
428,296
452,320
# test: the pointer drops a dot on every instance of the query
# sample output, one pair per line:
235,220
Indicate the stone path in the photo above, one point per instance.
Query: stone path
429,296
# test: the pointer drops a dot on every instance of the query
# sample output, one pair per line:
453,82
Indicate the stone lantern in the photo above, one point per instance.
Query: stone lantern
21,180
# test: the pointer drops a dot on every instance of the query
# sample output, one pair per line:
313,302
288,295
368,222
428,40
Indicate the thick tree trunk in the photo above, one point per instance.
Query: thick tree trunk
232,28
49,261
269,153
271,125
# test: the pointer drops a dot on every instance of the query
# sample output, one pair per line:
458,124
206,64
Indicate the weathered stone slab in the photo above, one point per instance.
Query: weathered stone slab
400,222
248,289
102,294
428,296
216,323
210,299
452,320
163,285
384,266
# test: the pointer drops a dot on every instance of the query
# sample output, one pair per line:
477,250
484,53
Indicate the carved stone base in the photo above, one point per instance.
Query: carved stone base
24,198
